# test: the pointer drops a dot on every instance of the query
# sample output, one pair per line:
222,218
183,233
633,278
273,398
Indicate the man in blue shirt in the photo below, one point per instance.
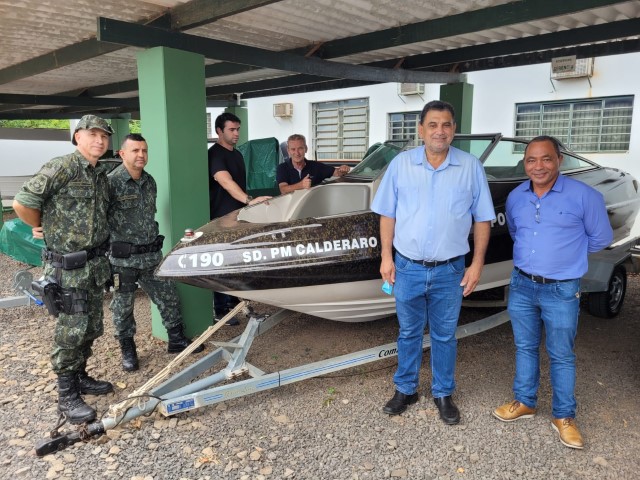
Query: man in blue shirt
555,222
298,173
426,202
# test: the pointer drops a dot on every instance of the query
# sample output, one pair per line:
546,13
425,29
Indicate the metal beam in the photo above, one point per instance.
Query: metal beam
286,90
116,31
182,17
548,41
449,58
200,12
532,58
78,52
288,85
460,24
422,31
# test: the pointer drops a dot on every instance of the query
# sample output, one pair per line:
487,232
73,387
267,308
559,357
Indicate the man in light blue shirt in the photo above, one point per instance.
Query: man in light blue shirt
555,221
426,202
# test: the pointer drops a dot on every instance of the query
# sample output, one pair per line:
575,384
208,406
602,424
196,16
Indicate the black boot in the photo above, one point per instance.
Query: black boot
90,386
129,355
178,342
70,402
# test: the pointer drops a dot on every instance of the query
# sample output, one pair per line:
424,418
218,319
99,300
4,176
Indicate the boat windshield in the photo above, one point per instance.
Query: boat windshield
376,162
503,158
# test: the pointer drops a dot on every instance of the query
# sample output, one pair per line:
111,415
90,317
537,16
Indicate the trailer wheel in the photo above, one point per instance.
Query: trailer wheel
609,303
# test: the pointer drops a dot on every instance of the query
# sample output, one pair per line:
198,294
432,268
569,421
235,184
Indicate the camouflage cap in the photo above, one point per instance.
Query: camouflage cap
91,121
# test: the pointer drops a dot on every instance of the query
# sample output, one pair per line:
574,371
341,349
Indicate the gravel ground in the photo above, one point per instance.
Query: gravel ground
331,427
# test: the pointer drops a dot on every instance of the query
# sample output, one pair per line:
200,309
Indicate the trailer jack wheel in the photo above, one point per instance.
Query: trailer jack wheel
608,304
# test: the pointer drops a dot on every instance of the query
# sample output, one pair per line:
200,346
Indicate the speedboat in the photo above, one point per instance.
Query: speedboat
317,251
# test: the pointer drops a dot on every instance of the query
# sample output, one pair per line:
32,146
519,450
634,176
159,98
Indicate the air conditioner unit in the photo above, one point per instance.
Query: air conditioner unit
410,88
568,67
283,110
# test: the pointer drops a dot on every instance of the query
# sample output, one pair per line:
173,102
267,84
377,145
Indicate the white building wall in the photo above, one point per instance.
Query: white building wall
497,91
25,157
383,99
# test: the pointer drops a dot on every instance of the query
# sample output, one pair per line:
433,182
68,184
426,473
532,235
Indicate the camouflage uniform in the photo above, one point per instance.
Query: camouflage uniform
132,219
72,197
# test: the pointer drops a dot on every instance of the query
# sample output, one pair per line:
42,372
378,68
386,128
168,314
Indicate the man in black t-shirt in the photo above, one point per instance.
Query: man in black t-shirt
227,188
298,173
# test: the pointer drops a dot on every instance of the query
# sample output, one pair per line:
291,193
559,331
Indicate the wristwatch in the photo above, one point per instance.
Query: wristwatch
249,198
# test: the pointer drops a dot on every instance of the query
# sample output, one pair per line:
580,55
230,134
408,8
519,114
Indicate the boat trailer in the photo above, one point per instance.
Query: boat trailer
192,388
184,391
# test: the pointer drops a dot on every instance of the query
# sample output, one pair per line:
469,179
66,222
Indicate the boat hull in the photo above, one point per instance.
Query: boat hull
317,251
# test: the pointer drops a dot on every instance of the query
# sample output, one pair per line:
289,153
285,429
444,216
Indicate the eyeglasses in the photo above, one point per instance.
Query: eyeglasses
537,205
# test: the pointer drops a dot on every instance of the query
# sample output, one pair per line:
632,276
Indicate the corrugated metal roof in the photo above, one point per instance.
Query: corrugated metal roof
31,28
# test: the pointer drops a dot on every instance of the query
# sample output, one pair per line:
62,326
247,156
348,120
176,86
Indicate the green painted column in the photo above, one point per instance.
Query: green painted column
120,130
243,114
460,95
173,117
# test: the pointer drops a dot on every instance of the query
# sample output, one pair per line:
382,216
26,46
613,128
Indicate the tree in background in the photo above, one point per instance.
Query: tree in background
54,124
134,125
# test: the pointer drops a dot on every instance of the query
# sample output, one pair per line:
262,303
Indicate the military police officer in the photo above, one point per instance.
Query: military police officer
136,251
68,198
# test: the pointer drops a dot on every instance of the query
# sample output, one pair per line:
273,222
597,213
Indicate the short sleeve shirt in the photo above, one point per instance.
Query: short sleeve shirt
433,208
317,171
73,198
222,159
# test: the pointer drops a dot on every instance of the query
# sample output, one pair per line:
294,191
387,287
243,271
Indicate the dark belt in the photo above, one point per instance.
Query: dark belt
433,263
150,247
51,256
538,278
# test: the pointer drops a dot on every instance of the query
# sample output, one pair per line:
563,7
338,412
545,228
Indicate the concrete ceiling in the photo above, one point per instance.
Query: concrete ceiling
61,59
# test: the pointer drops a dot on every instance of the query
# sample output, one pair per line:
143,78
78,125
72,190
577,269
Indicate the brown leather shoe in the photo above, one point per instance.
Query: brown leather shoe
512,411
568,432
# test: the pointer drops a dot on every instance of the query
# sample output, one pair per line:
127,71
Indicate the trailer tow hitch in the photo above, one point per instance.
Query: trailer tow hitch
60,440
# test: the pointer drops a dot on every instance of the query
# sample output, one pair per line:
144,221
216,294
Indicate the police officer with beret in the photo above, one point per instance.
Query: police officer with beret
68,199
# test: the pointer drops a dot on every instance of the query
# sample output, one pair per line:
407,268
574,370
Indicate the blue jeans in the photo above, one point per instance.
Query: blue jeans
556,307
427,296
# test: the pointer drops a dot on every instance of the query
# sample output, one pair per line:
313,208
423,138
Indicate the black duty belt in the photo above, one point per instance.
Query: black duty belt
149,247
126,249
73,260
539,279
432,263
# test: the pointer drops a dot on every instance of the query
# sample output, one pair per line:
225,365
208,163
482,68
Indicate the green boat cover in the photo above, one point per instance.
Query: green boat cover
17,241
261,158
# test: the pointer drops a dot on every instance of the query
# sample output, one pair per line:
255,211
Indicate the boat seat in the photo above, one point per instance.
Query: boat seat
334,199
518,171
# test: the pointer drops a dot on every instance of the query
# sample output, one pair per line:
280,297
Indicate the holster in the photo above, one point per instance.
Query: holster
51,293
72,301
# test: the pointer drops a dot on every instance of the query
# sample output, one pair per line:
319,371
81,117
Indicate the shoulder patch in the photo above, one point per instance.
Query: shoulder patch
37,184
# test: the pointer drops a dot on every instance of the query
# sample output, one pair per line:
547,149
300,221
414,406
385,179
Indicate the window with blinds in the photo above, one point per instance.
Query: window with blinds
593,125
404,126
341,129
